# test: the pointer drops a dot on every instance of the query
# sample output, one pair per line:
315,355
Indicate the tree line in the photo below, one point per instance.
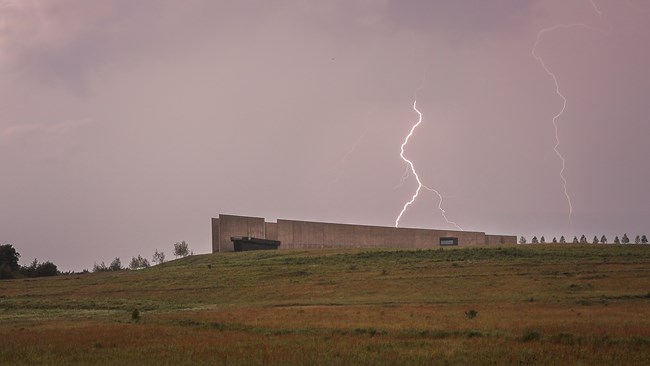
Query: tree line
181,249
639,239
9,267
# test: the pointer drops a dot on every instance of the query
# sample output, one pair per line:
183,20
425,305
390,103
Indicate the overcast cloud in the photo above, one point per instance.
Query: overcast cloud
126,125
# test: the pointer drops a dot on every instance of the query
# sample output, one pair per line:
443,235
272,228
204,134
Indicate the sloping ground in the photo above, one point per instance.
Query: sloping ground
559,304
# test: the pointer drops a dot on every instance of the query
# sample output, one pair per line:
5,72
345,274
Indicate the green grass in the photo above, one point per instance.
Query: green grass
553,304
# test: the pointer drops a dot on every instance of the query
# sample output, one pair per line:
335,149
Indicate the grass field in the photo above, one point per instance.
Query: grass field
549,305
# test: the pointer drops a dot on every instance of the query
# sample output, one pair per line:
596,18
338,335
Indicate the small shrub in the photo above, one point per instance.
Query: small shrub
565,338
218,326
369,331
531,335
471,314
135,315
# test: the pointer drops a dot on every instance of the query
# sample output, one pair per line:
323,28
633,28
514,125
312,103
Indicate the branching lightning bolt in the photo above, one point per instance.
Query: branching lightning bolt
548,71
417,177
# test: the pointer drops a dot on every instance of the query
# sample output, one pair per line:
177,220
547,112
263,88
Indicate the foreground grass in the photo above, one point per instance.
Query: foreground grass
534,304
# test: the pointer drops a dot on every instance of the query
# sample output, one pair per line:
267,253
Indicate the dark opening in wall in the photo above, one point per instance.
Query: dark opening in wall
246,243
448,241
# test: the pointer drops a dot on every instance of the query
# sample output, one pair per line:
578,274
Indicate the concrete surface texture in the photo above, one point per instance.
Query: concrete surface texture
294,234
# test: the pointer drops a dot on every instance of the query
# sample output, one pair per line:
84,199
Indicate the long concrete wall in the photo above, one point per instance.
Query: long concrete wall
305,234
294,234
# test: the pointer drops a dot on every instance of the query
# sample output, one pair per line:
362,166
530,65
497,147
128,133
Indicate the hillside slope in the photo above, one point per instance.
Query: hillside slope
539,304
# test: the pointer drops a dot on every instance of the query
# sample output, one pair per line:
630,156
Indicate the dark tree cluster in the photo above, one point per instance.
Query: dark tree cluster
116,265
639,239
9,267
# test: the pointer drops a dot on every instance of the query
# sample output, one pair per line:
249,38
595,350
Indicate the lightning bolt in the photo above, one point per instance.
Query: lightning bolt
417,177
559,114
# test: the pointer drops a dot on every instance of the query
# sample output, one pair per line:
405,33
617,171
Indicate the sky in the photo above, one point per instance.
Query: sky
126,125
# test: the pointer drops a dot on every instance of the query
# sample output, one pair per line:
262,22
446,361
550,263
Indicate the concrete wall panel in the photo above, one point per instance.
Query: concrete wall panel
426,238
500,240
308,234
271,231
230,225
285,234
215,235
399,238
338,236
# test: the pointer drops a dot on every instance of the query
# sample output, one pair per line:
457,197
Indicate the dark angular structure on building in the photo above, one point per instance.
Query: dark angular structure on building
246,243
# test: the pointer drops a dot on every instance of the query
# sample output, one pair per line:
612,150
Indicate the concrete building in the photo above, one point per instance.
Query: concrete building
293,234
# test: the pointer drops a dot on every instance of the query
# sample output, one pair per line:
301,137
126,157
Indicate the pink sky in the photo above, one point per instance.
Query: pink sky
126,125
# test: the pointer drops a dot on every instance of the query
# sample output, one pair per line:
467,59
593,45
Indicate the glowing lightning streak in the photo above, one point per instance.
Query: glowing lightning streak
417,177
556,148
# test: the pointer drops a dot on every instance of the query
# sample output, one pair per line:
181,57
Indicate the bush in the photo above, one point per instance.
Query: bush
471,314
6,273
46,269
36,269
158,257
181,249
135,315
531,335
100,267
139,262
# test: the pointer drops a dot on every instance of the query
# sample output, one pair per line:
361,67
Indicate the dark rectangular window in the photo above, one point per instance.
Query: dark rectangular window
448,241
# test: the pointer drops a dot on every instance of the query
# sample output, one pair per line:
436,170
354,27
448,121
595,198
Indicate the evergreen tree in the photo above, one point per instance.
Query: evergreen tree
637,240
617,240
603,239
625,239
542,240
116,265
100,267
562,240
554,240
522,240
535,241
575,240
583,240
595,241
644,239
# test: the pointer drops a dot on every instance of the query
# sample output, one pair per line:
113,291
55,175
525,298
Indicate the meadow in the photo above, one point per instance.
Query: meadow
523,305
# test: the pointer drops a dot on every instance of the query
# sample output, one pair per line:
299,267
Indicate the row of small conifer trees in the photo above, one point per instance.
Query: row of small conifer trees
640,239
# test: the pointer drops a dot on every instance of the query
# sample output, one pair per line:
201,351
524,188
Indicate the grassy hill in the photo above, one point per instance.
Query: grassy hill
560,304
